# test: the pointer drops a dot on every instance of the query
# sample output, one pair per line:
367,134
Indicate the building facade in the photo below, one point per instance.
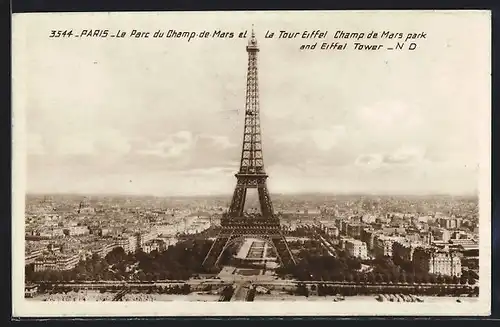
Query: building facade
356,248
56,262
403,250
439,262
154,245
383,246
450,222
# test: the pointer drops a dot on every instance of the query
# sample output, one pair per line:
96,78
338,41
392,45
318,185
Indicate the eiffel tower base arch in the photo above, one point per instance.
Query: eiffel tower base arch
224,240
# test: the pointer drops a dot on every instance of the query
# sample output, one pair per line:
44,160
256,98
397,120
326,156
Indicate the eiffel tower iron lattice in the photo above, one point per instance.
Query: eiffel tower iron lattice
235,224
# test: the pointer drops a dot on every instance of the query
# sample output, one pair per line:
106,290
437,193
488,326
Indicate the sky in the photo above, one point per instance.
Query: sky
165,116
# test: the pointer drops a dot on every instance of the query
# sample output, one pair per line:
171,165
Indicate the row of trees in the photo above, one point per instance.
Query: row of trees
344,268
316,264
300,232
304,248
178,262
398,270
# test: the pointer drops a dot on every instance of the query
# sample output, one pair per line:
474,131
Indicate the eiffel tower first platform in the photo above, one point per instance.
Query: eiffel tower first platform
235,224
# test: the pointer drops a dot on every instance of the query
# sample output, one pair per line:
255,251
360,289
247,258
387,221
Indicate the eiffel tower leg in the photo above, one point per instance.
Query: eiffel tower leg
226,245
266,206
210,251
288,249
214,252
238,202
283,250
270,242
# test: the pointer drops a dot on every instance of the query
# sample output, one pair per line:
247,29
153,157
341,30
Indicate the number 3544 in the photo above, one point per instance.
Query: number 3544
64,33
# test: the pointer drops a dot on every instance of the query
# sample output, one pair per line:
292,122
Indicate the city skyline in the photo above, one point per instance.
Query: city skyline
403,123
229,194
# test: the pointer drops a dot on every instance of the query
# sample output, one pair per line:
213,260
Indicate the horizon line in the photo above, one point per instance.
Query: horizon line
389,194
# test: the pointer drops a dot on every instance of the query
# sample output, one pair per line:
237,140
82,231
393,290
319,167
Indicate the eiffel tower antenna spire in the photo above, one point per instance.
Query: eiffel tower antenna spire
235,224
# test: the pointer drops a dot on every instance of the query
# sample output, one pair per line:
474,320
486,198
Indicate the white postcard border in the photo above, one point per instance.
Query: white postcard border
29,308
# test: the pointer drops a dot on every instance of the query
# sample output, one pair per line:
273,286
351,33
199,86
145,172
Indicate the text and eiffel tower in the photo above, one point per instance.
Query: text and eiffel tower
235,224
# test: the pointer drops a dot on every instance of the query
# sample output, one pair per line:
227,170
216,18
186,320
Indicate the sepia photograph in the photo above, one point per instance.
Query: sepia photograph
251,163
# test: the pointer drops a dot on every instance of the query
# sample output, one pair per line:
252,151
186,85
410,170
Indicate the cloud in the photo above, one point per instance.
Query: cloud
220,140
182,137
174,146
405,155
388,114
324,139
75,144
182,151
388,162
111,142
228,171
371,161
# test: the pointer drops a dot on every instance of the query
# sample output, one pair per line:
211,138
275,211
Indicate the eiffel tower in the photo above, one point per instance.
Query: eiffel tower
236,224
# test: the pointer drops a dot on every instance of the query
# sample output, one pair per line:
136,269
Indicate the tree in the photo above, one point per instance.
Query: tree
186,289
141,276
54,275
95,257
29,272
66,275
302,290
149,277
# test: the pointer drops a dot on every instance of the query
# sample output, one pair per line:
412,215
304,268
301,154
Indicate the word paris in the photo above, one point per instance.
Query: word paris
141,34
317,34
